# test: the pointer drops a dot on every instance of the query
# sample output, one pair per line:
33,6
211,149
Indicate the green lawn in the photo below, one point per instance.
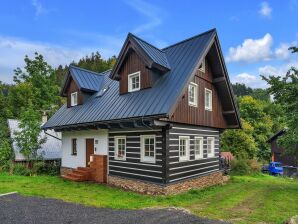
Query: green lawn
243,200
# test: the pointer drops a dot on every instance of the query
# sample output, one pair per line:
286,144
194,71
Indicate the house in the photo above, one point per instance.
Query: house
50,150
277,152
152,124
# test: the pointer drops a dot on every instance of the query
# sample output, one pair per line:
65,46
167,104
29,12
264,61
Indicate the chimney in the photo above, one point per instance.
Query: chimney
44,118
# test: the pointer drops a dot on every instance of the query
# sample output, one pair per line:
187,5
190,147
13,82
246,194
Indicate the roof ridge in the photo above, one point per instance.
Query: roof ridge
86,70
190,38
146,42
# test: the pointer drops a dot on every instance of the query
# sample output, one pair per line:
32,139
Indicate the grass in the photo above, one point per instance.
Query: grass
244,199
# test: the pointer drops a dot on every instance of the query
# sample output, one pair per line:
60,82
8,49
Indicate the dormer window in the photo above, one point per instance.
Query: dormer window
74,99
202,66
134,81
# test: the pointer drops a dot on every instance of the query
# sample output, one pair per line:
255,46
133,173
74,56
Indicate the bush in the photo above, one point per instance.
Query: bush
20,169
5,152
254,165
46,168
240,167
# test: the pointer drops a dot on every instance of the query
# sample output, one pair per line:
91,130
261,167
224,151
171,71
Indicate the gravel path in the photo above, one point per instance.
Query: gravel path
19,209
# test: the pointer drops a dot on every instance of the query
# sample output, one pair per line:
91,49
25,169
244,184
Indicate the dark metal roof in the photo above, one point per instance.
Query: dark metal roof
86,80
276,135
157,55
159,100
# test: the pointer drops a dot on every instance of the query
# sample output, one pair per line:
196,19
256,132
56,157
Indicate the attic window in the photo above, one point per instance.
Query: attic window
134,81
74,99
193,94
202,66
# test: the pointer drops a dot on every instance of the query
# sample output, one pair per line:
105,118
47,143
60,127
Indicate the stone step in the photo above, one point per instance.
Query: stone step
85,168
67,177
76,175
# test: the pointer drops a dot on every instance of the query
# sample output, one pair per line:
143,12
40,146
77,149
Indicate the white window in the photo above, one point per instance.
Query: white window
198,147
134,81
193,94
210,146
208,99
148,148
202,66
74,99
120,147
183,148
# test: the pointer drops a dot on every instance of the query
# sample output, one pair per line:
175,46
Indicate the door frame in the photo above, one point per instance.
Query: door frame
86,160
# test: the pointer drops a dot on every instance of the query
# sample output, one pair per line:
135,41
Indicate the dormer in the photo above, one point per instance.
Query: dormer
80,84
139,65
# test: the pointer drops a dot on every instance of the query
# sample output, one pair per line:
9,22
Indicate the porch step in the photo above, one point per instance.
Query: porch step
79,174
67,177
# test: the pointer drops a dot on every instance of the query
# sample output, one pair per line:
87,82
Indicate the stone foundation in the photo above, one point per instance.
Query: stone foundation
173,188
65,170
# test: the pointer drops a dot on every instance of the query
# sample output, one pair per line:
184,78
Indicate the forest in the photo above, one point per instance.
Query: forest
36,91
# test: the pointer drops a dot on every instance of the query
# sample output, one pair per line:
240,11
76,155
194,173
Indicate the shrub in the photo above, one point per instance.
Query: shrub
254,166
240,167
20,169
46,168
5,152
38,167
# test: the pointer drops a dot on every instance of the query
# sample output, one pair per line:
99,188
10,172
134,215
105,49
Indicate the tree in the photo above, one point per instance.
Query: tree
285,92
27,139
241,89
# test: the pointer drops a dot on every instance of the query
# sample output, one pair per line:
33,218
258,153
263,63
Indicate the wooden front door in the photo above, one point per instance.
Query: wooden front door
89,149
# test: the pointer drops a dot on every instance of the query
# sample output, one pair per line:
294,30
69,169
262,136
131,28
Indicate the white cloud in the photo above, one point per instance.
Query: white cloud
282,52
250,80
151,12
39,8
13,51
265,10
269,70
251,50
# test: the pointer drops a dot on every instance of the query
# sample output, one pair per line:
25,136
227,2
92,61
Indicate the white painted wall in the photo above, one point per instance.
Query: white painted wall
72,161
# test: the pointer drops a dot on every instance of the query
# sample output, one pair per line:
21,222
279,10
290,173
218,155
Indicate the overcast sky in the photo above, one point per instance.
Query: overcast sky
255,35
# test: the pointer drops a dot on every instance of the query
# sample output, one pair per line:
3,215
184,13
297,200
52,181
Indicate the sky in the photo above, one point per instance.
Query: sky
254,35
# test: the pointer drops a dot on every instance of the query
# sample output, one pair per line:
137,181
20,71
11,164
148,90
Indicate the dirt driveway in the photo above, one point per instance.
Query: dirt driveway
15,208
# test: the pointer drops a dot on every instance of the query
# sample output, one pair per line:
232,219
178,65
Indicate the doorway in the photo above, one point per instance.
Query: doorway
89,150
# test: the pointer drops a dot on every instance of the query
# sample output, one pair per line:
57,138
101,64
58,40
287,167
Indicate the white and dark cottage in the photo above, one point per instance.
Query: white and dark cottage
152,123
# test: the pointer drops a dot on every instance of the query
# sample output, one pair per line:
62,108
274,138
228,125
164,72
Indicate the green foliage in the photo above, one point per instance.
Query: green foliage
5,151
42,168
245,167
241,89
27,139
285,92
19,169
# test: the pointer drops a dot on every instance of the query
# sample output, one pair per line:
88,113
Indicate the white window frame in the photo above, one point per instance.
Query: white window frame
148,159
130,77
116,138
210,99
74,99
186,157
195,86
202,69
212,153
201,149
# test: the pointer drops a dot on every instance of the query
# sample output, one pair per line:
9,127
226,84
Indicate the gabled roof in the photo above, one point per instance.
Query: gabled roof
50,150
276,135
86,80
160,100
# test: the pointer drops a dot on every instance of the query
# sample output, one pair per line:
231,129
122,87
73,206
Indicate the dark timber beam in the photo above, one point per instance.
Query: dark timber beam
228,112
219,79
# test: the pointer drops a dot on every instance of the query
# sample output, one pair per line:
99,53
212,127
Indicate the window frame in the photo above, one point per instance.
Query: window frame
212,153
201,147
116,148
72,101
210,99
203,68
74,146
195,103
147,159
187,150
129,82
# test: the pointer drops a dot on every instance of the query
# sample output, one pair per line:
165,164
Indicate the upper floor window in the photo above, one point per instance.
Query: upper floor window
198,147
74,147
120,148
202,66
193,94
183,148
134,81
74,99
208,99
210,146
148,148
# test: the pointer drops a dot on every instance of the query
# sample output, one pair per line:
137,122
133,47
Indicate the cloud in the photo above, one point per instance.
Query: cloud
39,8
151,12
265,10
250,80
251,50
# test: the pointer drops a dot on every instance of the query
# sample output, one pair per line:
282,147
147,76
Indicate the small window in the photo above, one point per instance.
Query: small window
202,66
210,146
183,148
74,147
120,148
208,99
74,99
148,148
134,81
193,94
198,147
